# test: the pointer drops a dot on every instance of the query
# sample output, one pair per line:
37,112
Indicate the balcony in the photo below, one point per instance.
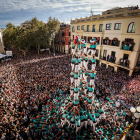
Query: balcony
63,43
108,59
113,42
124,62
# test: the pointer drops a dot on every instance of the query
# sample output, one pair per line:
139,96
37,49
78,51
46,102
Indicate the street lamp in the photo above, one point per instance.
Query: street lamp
136,112
53,36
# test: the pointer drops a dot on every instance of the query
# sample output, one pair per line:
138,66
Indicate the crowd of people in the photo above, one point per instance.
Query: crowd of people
33,92
128,45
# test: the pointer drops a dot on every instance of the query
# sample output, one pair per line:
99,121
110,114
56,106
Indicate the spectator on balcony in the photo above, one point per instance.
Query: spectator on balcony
108,57
132,45
121,61
114,59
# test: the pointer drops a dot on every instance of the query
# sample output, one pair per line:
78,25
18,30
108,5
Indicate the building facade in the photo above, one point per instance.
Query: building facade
118,34
63,39
1,42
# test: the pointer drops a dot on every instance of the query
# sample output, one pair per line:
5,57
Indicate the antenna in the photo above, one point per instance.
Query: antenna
67,20
91,11
61,17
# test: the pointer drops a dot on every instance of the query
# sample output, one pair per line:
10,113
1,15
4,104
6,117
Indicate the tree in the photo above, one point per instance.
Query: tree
35,33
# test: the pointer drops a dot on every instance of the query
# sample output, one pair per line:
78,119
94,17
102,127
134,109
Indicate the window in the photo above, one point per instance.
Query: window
131,27
117,26
93,28
100,27
73,30
87,28
108,26
78,27
83,27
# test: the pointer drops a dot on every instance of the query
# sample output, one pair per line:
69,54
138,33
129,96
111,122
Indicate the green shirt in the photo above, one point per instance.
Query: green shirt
76,89
76,75
84,45
72,119
85,117
79,47
93,60
76,61
93,46
73,46
92,75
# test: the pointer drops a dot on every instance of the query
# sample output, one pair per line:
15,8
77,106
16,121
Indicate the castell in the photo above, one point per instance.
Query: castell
82,90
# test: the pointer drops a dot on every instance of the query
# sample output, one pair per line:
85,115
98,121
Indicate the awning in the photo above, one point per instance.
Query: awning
2,55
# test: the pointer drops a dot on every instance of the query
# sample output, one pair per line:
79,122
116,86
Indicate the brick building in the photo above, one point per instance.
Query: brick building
62,40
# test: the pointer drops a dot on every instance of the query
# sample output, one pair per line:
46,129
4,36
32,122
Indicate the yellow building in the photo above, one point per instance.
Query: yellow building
118,32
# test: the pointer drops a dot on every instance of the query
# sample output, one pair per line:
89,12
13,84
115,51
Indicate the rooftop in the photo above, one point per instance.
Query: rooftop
115,12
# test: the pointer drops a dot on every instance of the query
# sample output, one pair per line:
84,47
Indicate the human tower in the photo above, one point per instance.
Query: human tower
81,108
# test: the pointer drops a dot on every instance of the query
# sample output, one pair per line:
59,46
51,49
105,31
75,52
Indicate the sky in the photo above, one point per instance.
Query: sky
18,11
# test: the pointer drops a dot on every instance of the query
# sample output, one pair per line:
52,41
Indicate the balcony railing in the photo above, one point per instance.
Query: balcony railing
111,42
127,48
124,62
108,58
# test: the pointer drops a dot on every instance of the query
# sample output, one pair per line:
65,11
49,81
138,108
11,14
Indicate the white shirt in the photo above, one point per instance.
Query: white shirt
117,104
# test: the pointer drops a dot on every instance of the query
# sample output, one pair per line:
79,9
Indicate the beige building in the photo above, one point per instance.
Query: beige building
118,32
1,42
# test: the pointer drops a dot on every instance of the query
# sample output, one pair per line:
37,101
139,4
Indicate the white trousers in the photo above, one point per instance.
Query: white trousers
86,65
88,122
85,122
71,92
94,125
79,52
68,124
85,78
76,68
85,50
79,66
93,66
91,81
76,82
90,93
72,79
73,51
81,124
80,76
89,51
92,51
76,95
97,119
63,122
77,128
72,67
90,105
